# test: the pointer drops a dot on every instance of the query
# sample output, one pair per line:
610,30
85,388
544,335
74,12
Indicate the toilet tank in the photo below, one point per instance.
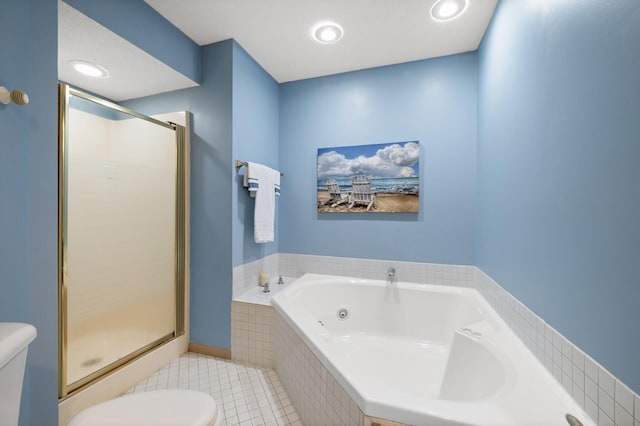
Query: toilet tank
14,341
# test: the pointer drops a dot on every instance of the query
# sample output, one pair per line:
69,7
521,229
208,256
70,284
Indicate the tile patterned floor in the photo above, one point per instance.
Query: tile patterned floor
247,395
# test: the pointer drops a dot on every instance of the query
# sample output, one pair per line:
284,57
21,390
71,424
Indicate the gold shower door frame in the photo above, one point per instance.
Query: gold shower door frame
64,93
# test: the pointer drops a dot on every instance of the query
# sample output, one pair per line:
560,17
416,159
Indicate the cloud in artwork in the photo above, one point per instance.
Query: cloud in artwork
392,161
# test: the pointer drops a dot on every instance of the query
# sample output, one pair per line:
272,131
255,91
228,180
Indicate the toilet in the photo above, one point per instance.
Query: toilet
14,344
175,407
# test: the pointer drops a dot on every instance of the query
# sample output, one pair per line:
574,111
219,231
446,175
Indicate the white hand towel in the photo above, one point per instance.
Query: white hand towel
264,184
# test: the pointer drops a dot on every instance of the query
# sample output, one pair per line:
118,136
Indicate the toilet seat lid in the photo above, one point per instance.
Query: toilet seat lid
156,408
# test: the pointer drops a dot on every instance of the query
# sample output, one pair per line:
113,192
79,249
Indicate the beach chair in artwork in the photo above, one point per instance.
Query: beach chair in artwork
361,193
336,196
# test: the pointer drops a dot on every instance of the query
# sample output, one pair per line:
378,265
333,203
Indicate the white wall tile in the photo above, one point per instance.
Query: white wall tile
548,363
567,383
622,416
245,277
557,340
567,348
605,403
567,366
606,381
604,420
252,334
624,396
557,357
578,377
548,333
591,389
296,265
578,358
591,408
591,369
578,395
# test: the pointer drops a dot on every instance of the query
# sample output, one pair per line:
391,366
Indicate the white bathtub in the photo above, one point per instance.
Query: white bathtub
423,354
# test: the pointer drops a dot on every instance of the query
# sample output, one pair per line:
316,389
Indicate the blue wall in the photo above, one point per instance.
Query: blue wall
14,180
211,185
555,91
255,138
43,212
433,101
558,172
14,172
28,188
235,115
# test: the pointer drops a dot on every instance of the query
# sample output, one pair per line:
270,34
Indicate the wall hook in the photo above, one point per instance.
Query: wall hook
17,96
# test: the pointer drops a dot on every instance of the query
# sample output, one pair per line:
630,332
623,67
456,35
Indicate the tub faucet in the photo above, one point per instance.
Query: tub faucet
265,288
280,280
391,273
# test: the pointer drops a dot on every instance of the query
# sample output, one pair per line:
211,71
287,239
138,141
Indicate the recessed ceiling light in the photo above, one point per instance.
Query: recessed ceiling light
327,32
446,10
89,69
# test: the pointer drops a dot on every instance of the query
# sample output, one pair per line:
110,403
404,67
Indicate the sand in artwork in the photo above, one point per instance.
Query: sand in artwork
385,203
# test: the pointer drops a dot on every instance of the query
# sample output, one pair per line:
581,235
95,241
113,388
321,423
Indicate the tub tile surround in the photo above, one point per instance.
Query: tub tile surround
296,265
252,324
252,314
245,276
318,398
252,333
603,397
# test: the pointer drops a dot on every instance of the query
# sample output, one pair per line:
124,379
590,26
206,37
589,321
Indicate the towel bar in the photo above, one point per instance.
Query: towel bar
244,163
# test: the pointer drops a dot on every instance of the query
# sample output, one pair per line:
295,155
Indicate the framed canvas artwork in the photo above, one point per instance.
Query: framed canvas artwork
377,178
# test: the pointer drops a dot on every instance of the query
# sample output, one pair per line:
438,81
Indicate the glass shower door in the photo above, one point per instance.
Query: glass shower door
120,242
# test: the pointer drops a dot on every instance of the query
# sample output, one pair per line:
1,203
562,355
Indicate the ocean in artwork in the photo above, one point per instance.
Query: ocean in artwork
404,185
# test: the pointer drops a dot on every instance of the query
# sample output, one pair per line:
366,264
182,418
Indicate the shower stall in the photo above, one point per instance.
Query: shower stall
121,244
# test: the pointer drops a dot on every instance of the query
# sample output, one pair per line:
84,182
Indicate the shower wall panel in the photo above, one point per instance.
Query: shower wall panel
120,269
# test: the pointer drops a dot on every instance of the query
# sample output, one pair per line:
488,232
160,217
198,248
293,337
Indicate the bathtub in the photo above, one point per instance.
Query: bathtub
422,354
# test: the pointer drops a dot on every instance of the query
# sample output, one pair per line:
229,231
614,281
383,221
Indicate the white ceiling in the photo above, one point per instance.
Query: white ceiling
130,68
276,33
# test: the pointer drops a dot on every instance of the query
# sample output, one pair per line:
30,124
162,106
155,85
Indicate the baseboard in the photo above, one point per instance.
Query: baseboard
210,350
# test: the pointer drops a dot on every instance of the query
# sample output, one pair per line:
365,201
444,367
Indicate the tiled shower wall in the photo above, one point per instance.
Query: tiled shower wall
605,399
108,172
